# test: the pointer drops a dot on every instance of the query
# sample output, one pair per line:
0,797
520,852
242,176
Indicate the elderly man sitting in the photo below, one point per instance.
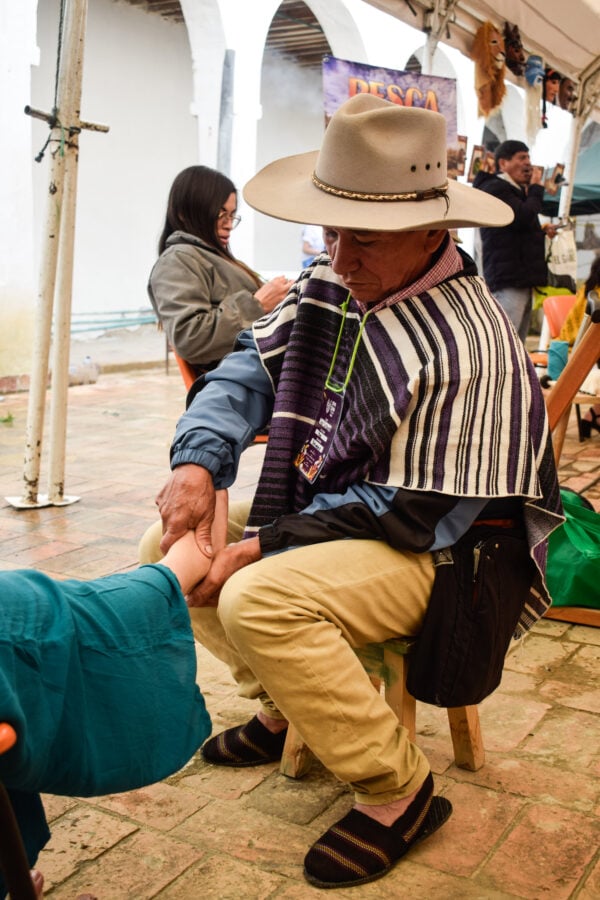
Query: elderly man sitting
404,415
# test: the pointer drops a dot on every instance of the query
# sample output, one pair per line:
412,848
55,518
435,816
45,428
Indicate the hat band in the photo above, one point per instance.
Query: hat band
429,194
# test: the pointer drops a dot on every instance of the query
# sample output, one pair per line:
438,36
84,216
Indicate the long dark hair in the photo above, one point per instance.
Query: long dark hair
196,198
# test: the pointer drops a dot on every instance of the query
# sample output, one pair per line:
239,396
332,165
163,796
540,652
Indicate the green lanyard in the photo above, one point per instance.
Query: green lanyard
332,386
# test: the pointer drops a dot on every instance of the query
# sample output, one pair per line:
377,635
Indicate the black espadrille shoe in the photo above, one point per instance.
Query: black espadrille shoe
245,745
358,849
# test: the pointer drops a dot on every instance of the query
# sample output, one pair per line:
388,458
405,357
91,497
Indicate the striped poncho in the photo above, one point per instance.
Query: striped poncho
442,397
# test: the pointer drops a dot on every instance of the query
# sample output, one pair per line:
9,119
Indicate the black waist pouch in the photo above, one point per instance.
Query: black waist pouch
480,587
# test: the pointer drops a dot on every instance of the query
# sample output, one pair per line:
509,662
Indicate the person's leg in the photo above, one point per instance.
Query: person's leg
516,303
591,419
295,618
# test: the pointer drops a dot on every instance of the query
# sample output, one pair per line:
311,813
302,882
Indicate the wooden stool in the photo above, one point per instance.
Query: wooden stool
387,664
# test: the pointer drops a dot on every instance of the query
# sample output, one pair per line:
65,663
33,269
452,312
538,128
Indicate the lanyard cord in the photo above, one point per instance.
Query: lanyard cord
332,386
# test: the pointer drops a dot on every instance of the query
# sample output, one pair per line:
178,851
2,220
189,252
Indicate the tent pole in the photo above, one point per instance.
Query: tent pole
566,192
62,316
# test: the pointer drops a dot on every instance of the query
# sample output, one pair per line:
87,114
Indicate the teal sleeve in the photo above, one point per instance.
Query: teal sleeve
98,679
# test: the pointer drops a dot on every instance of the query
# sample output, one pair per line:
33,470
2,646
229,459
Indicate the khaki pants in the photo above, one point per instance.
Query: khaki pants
287,627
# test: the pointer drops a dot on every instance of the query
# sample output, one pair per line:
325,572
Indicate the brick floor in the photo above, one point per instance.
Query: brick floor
524,826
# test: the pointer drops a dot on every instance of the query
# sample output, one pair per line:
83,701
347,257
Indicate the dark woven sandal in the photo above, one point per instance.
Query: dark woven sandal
357,849
245,745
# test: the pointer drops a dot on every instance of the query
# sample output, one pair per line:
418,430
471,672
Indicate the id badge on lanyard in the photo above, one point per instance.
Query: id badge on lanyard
317,446
315,450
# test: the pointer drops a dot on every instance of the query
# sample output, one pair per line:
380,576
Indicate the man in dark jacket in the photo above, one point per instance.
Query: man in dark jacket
514,255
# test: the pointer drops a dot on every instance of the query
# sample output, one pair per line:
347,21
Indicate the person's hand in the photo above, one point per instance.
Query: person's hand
271,293
549,229
187,501
537,175
225,563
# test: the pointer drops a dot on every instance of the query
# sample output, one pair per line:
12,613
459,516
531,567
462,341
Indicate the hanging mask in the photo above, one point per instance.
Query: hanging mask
489,56
567,94
551,85
515,55
534,76
534,70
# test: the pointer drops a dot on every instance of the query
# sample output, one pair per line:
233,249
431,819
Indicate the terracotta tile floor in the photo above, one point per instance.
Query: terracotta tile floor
525,825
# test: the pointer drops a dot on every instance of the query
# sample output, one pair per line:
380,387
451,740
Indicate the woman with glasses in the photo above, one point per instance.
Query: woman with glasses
202,295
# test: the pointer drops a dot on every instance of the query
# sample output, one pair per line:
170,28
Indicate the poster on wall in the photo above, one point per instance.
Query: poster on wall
343,79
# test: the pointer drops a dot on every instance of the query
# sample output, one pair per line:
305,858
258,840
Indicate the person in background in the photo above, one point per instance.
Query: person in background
405,416
514,256
204,296
312,243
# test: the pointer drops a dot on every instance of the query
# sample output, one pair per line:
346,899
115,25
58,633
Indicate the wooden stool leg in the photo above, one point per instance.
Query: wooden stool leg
466,737
296,757
397,697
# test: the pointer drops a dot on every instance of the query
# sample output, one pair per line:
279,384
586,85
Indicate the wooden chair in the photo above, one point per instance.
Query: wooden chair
558,403
387,665
13,859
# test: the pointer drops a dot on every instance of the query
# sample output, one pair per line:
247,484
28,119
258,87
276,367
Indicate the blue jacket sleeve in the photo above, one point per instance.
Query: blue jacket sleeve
233,405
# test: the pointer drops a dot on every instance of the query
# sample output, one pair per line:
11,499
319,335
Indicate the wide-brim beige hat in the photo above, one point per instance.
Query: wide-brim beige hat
380,167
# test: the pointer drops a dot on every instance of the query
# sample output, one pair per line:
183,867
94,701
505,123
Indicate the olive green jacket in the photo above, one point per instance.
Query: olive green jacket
202,300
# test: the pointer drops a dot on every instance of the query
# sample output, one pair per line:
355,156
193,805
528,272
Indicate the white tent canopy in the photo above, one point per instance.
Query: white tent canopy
563,32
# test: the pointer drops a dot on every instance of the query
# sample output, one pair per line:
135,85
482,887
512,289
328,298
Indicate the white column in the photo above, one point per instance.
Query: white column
18,52
207,45
246,36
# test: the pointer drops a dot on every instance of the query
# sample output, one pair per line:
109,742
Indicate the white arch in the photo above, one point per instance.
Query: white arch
206,35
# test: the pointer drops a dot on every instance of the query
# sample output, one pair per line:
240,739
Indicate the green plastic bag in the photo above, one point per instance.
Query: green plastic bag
573,568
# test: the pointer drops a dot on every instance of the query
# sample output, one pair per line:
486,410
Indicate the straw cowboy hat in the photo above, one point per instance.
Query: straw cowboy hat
380,167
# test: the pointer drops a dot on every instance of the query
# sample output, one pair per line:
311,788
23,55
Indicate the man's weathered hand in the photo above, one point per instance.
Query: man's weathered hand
187,501
225,563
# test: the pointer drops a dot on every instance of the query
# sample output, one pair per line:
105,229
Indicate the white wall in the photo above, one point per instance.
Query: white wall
17,282
137,79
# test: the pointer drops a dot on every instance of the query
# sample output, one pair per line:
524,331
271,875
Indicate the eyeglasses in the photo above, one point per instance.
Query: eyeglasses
228,217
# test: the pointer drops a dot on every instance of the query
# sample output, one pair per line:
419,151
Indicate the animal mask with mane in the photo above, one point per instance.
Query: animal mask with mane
488,54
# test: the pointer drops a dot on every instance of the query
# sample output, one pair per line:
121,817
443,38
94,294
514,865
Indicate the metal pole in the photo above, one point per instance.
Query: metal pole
62,317
566,192
41,338
59,236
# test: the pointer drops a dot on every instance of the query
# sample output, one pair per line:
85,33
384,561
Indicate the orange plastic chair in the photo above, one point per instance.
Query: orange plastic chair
187,372
556,309
13,859
189,376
